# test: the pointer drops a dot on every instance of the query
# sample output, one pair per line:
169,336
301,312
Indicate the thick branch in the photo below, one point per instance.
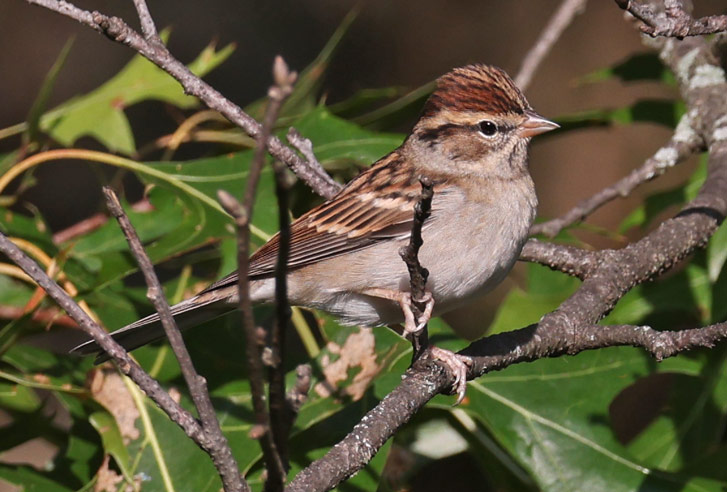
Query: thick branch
673,21
219,449
570,260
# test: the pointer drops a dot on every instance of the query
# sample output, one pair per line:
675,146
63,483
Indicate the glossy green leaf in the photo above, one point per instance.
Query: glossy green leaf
100,113
39,105
15,396
548,417
336,140
29,479
112,441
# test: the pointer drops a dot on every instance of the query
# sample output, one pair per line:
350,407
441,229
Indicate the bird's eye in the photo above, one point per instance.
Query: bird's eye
487,128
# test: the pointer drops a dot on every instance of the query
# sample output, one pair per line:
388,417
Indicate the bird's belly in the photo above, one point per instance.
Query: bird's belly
462,263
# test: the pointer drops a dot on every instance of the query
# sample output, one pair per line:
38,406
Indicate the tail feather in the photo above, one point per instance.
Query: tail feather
187,313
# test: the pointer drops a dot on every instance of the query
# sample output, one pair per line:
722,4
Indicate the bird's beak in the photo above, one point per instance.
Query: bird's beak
535,125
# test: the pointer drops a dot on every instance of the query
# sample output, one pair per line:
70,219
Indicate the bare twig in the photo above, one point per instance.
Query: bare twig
560,20
279,414
219,449
567,259
684,143
417,273
305,147
674,21
117,30
297,396
148,29
126,364
242,214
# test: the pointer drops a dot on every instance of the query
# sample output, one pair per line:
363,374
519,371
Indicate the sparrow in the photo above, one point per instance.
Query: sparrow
471,142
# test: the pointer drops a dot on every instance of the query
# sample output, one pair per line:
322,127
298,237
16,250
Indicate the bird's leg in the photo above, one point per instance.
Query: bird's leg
457,364
411,328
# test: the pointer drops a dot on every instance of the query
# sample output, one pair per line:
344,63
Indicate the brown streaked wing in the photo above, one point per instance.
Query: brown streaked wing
376,205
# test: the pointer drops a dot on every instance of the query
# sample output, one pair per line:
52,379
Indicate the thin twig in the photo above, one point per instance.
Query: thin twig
560,20
417,273
674,21
570,260
305,147
220,451
243,214
684,143
117,30
126,364
148,29
279,414
297,396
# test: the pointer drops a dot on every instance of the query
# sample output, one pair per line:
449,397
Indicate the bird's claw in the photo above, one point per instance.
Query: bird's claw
458,365
411,327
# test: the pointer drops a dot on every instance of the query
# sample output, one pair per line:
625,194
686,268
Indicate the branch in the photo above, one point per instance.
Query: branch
417,273
117,30
219,449
674,21
560,20
279,409
570,260
242,214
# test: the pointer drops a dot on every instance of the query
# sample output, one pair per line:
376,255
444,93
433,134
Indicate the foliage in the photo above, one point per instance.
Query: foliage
555,424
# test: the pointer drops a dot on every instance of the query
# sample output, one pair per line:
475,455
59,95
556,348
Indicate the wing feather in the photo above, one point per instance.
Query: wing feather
376,205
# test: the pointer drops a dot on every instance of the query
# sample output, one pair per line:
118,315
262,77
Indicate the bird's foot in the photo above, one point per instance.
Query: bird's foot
411,327
457,364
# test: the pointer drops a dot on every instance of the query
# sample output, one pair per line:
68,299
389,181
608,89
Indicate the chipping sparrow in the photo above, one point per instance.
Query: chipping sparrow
471,142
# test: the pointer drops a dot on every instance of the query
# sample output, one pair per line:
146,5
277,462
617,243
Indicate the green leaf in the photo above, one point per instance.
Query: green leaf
18,397
39,105
335,140
638,67
100,113
113,443
29,479
547,415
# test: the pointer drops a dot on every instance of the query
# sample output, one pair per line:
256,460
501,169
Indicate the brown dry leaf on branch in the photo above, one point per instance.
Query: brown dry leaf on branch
108,388
359,351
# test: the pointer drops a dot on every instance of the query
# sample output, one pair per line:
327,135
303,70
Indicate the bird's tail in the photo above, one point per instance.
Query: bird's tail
187,313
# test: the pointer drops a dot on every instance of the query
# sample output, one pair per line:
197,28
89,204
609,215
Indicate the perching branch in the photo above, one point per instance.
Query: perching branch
417,273
219,449
673,21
